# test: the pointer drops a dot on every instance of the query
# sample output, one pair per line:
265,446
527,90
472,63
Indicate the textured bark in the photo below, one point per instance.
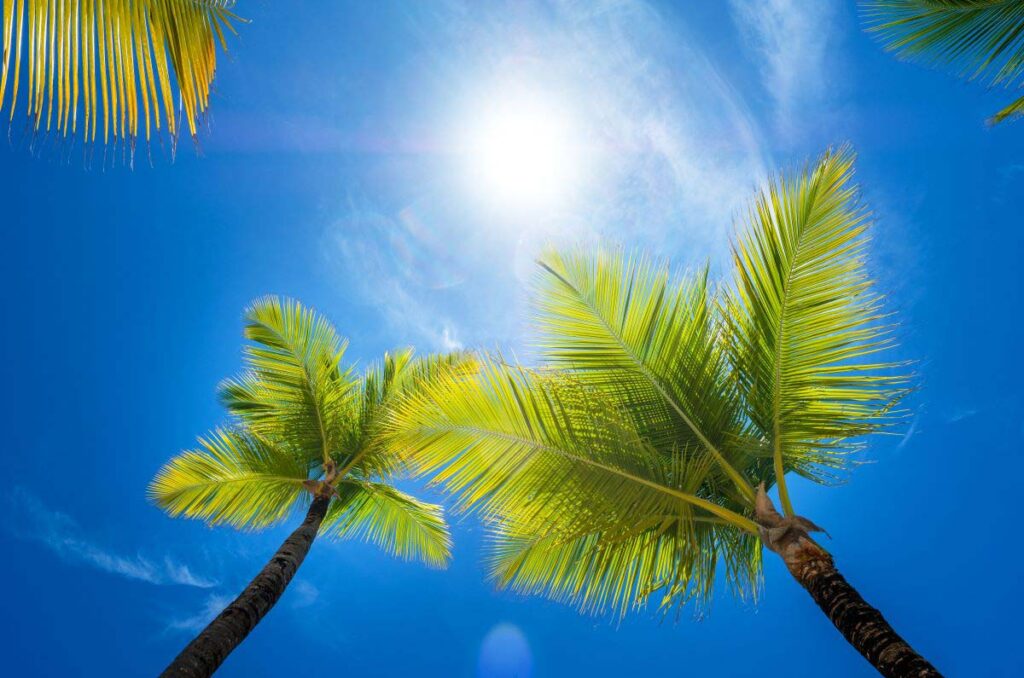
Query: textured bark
212,646
863,626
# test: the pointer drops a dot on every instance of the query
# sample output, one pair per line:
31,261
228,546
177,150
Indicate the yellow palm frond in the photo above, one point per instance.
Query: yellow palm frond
981,39
806,324
623,325
400,374
232,479
546,459
400,524
111,68
295,389
541,429
671,561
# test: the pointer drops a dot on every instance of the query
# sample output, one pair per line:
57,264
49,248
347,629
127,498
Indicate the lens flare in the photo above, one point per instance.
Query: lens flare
505,653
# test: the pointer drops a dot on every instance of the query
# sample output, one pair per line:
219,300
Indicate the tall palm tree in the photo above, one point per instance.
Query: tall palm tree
306,432
633,463
980,39
114,67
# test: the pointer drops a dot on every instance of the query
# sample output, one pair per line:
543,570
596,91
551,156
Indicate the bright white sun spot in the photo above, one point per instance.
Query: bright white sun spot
522,152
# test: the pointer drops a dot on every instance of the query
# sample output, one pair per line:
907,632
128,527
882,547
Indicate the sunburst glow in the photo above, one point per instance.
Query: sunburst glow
522,152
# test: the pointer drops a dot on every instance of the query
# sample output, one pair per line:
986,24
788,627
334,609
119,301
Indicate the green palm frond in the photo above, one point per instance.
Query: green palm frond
540,451
980,39
400,374
541,430
232,479
622,325
398,523
672,562
806,323
111,68
295,389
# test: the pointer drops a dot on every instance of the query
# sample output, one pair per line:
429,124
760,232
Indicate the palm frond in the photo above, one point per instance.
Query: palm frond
806,324
295,389
670,562
231,479
545,459
400,374
620,324
398,523
980,39
114,65
507,435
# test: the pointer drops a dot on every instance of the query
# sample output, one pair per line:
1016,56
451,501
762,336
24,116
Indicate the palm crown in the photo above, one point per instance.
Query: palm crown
305,425
626,464
981,39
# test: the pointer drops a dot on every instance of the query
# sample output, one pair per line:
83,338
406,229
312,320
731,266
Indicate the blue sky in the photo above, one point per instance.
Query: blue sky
336,169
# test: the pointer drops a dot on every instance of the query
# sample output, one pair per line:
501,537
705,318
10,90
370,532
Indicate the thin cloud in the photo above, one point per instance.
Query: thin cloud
32,520
961,414
303,593
212,606
911,432
793,43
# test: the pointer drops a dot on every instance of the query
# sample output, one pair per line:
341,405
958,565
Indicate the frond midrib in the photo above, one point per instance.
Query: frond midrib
307,385
777,460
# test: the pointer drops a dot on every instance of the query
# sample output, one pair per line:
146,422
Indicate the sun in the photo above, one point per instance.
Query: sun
522,152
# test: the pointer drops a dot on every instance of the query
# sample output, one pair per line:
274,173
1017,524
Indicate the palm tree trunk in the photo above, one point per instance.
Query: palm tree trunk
212,646
862,625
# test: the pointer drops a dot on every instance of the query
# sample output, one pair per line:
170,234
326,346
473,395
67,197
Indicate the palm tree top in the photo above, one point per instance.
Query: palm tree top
304,424
624,467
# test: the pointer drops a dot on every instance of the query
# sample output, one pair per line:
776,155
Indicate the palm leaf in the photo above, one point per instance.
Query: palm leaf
295,389
980,39
806,323
232,479
597,574
112,64
621,325
557,460
393,520
400,374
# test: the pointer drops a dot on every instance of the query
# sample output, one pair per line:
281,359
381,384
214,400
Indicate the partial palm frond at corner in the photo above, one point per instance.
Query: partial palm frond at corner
112,70
980,39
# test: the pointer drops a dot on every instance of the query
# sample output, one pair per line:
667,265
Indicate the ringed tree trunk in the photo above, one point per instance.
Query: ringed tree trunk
862,625
210,648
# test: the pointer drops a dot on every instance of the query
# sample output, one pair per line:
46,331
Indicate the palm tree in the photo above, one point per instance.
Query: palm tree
634,462
980,39
112,64
306,432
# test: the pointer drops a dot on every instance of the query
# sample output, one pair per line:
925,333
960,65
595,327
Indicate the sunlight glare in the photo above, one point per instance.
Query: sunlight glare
521,153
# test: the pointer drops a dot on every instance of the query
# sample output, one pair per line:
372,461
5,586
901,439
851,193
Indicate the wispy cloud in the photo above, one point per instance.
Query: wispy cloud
303,593
32,520
911,431
962,413
194,623
793,41
671,154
